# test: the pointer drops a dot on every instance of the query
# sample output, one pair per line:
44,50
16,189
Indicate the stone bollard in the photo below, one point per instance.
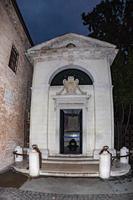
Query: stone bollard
123,152
105,163
34,167
35,147
18,150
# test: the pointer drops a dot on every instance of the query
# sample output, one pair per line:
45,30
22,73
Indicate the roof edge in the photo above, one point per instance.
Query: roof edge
48,42
14,3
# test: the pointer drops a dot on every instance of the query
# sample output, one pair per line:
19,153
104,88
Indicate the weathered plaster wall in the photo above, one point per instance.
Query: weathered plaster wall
13,87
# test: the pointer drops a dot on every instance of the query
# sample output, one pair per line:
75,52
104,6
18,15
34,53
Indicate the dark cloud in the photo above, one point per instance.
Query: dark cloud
47,19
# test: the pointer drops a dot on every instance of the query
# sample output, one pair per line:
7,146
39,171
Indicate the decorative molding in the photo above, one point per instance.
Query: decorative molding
71,101
76,39
71,54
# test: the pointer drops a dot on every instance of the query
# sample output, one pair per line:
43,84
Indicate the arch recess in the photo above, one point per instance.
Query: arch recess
78,72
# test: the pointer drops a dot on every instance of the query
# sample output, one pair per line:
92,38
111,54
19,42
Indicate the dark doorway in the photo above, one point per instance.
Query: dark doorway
71,131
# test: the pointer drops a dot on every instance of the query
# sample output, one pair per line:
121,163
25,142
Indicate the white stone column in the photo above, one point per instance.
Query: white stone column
39,114
103,118
112,116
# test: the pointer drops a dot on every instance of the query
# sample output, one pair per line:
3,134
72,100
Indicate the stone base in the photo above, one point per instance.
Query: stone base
45,153
120,169
73,169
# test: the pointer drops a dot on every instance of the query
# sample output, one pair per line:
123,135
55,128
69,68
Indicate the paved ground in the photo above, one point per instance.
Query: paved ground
115,185
50,188
15,194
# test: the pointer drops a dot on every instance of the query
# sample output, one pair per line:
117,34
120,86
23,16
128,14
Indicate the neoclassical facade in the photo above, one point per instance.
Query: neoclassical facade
72,103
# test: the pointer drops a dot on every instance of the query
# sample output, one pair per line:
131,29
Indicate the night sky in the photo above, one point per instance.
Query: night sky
46,19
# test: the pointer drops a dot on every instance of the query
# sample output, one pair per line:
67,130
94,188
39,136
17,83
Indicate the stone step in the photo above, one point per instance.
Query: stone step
70,160
62,170
70,170
69,174
71,157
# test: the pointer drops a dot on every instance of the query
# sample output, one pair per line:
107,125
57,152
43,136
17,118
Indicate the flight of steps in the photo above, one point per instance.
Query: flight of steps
70,160
70,166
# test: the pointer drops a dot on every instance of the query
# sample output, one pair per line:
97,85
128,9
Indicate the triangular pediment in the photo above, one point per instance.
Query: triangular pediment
72,40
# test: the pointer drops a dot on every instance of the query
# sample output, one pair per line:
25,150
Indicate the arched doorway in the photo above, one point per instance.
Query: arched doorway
71,120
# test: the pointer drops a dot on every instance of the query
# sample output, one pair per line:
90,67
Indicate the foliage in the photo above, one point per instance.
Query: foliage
112,21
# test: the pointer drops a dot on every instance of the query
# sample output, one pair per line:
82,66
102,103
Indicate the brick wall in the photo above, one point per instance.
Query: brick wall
13,87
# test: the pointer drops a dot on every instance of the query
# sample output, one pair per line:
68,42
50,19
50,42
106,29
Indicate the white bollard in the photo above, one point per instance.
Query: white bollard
34,163
123,152
19,150
105,164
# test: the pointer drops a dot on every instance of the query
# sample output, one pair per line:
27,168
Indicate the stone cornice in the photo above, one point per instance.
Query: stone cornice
71,54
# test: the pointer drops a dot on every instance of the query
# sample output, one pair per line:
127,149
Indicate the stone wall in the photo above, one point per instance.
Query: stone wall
13,87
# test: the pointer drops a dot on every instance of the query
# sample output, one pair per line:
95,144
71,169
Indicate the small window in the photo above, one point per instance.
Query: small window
13,59
70,45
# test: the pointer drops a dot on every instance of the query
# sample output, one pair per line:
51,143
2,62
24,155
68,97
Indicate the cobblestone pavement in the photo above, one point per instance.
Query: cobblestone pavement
16,194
